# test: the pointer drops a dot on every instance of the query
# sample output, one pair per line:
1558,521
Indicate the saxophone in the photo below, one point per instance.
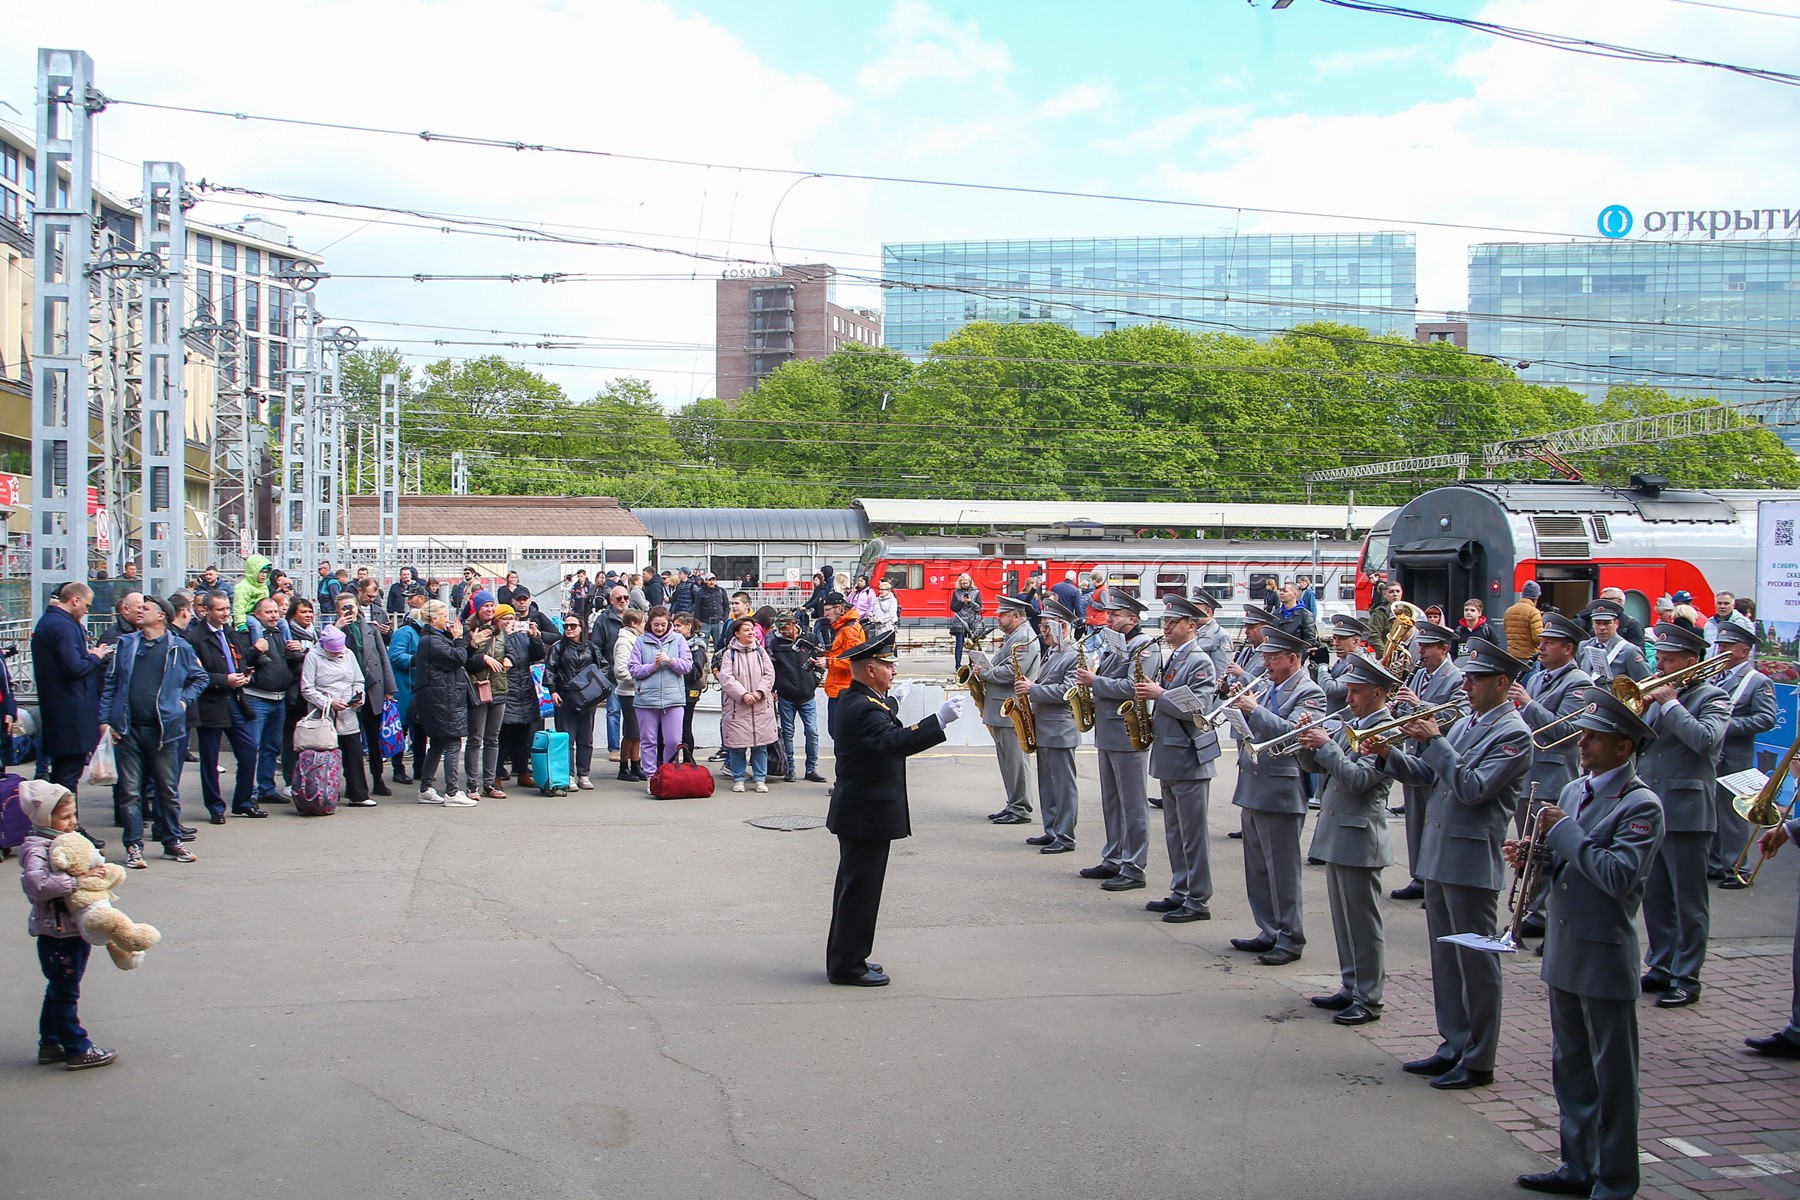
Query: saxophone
1018,710
966,676
1136,713
1080,699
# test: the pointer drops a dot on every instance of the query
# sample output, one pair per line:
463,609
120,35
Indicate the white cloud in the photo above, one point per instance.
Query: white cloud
923,43
1165,133
1345,62
959,136
1082,98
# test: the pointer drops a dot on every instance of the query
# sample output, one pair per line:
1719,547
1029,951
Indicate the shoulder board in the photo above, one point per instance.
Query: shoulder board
878,704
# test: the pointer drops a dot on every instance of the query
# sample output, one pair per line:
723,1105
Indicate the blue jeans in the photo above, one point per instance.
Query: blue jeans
808,713
147,781
715,630
63,960
758,764
612,722
267,722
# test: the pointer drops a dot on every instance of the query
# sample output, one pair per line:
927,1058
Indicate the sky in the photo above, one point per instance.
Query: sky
1214,108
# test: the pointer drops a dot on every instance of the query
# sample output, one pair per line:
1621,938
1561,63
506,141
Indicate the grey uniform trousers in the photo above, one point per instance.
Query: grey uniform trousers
1125,808
1594,1062
1416,798
1356,922
1184,829
1677,912
1272,861
1465,983
1733,836
1015,770
1058,795
1792,1032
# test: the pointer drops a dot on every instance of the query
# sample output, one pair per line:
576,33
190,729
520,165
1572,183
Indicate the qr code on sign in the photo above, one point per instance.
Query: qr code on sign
1784,532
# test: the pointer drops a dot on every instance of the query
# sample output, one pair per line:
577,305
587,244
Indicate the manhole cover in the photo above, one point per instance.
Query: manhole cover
786,822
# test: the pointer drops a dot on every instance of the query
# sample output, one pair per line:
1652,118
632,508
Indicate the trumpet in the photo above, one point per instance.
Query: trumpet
1632,692
1289,742
1360,738
1762,812
1080,699
1256,687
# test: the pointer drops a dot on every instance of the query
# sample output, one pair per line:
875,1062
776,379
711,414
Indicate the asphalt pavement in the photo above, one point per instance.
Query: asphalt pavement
608,995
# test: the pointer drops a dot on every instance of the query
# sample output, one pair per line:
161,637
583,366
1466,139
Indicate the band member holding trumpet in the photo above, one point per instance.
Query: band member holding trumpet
1690,726
1436,680
1183,760
1752,712
1058,733
1786,1042
1346,634
1474,774
1352,840
997,675
1131,653
1247,661
1273,802
1550,701
1210,638
1601,836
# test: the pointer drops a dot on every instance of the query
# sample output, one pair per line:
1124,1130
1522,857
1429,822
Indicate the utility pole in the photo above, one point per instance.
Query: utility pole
300,429
459,473
387,483
163,473
63,238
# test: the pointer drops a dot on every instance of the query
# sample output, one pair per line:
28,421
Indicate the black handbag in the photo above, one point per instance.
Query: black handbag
589,687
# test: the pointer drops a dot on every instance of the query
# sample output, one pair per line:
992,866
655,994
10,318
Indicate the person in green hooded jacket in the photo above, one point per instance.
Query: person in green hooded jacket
248,594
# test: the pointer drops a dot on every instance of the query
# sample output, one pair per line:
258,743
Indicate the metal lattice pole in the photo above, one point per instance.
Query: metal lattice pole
387,483
63,232
164,425
300,429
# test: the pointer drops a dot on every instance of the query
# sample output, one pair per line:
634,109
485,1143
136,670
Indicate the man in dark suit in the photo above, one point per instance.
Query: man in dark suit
868,803
1602,835
69,676
222,711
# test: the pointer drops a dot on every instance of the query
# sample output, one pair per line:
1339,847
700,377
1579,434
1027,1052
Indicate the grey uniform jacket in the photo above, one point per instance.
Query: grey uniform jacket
1353,815
1607,662
1752,712
1215,643
999,676
1554,694
1114,686
1445,684
1601,857
1273,784
1184,748
1679,763
1055,719
1475,773
1251,659
1335,691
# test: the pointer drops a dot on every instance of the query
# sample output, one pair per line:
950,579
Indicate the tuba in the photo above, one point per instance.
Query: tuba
1136,712
1080,699
1395,657
1018,710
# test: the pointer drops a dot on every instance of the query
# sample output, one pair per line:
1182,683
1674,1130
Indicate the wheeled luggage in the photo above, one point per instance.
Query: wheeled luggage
550,761
318,782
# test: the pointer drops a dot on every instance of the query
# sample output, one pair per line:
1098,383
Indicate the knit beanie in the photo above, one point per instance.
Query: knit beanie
483,597
331,640
1531,590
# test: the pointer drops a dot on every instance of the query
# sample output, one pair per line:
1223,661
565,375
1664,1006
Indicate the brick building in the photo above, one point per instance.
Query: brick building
770,315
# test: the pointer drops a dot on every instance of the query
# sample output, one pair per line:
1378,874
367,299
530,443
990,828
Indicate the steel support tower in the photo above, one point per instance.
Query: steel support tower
387,483
163,474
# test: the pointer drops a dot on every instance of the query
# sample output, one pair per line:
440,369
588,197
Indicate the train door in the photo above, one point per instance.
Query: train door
1442,572
1642,583
1567,588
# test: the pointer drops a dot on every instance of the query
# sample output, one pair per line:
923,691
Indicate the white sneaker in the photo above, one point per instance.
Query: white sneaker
760,787
584,783
739,786
430,796
460,800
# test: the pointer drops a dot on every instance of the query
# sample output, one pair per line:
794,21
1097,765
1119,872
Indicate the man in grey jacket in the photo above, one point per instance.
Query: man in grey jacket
1057,736
1602,836
997,677
1183,759
1436,680
1752,712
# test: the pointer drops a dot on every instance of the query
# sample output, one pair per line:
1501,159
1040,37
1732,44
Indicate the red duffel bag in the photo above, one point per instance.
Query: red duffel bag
681,781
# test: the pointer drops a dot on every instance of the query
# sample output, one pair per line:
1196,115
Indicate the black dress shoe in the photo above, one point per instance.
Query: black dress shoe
1437,1064
1280,956
1776,1046
187,837
185,831
1236,833
996,816
1461,1079
1532,927
1733,882
1056,848
252,811
874,978
789,777
1182,916
1255,945
1042,839
1715,876
1655,983
1155,802
381,789
1314,862
1166,904
217,819
1012,819
1554,1182
1679,996
1356,1014
1336,1002
815,777
1120,883
1103,871
1412,891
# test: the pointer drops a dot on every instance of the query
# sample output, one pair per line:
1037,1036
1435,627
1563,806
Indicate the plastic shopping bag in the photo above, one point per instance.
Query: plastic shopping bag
546,708
101,769
393,734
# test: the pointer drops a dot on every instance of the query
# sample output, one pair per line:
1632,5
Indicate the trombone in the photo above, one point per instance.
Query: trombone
1256,687
1632,692
1289,742
1567,737
1358,739
1763,813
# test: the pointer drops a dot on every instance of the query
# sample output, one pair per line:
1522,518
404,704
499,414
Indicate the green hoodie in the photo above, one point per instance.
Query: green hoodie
252,591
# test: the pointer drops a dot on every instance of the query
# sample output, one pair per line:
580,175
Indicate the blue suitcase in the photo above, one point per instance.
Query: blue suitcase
550,761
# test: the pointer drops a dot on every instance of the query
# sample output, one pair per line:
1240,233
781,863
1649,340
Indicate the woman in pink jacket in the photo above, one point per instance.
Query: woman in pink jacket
747,713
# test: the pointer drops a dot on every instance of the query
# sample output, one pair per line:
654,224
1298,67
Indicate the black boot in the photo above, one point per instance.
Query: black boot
625,769
637,771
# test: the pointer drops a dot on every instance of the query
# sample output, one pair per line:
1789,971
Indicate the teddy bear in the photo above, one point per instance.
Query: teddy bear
91,902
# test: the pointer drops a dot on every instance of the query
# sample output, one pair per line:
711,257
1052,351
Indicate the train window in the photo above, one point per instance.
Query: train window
906,577
1214,580
1259,578
1128,584
1637,606
1171,583
1346,589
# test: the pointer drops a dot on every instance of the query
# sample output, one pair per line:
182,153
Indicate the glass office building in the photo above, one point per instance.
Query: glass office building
1253,286
1696,319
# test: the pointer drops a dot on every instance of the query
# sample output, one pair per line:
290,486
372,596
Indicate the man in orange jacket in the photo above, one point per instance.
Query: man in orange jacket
846,634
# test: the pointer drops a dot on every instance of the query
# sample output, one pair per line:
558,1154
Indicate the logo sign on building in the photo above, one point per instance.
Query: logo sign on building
9,491
752,272
1615,221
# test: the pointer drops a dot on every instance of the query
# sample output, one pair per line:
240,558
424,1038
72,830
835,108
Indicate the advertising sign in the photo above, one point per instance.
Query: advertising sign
1778,624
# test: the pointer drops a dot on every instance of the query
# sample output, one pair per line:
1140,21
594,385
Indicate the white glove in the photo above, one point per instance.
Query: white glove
949,710
897,693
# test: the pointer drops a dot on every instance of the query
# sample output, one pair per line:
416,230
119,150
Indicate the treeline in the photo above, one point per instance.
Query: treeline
1033,412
